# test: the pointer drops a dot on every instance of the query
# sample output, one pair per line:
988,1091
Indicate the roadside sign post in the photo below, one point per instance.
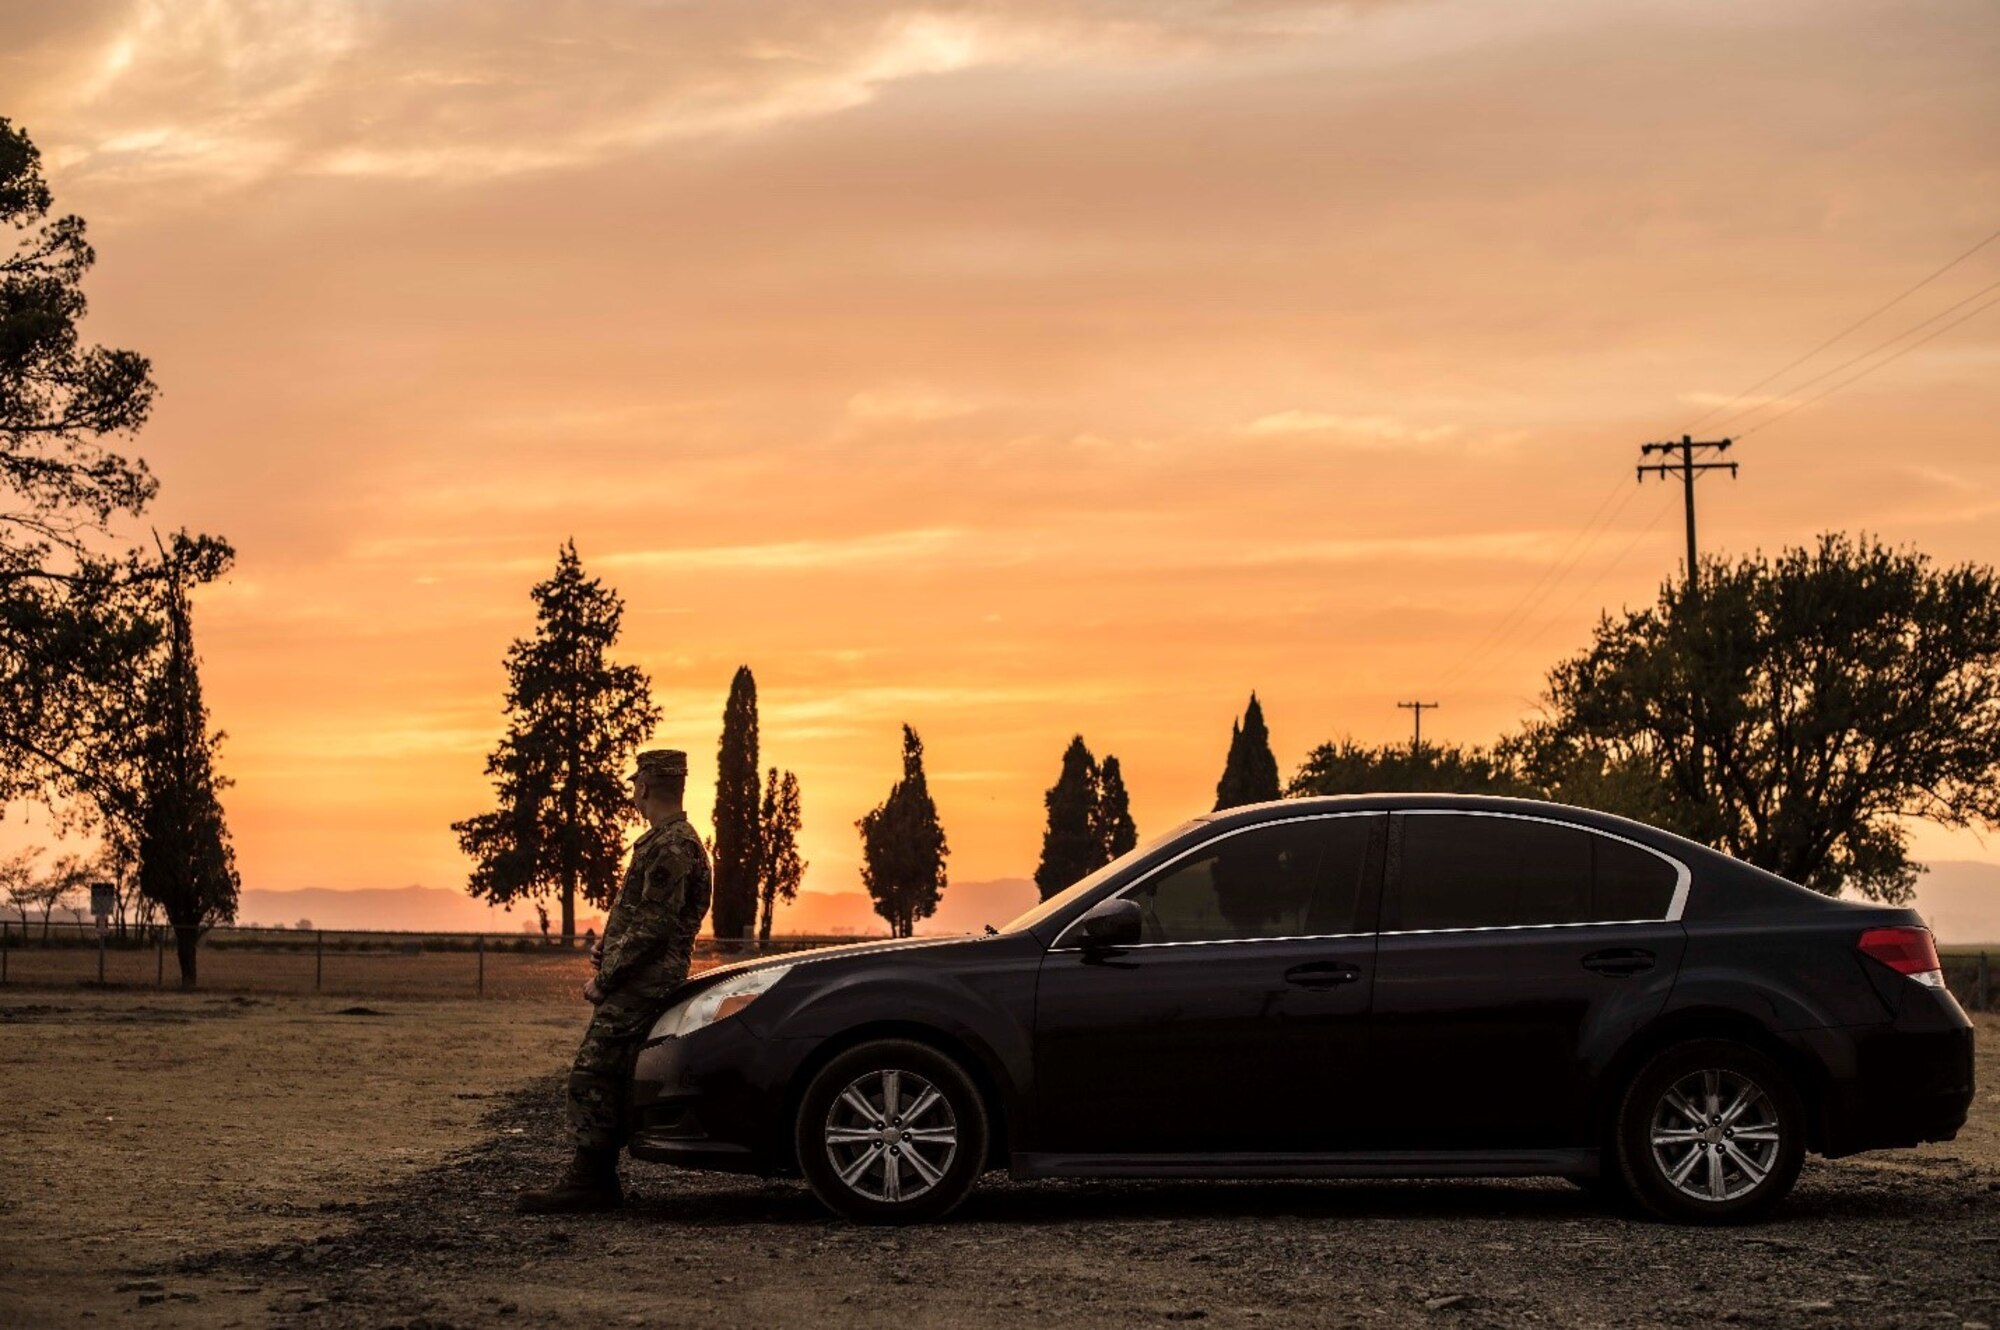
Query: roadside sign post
103,900
480,946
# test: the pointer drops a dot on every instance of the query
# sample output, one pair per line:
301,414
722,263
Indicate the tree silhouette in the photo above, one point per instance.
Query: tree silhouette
1794,713
186,864
77,626
738,843
1071,847
1347,767
1250,772
779,869
903,847
574,723
1111,820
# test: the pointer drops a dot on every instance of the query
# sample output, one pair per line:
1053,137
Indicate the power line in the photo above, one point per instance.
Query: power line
1823,375
1580,545
1886,360
1858,323
1606,571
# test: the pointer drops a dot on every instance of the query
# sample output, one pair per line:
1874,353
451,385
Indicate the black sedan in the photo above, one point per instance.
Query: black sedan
1383,986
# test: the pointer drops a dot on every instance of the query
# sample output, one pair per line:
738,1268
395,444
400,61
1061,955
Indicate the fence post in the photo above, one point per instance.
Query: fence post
159,957
480,946
1982,994
5,937
319,956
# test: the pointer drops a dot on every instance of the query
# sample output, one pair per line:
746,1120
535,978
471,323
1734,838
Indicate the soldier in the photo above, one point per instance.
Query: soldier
643,955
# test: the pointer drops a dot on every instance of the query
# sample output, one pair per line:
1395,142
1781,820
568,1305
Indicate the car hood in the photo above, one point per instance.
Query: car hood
721,972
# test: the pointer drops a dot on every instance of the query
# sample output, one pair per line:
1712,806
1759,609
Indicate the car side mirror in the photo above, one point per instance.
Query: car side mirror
1108,924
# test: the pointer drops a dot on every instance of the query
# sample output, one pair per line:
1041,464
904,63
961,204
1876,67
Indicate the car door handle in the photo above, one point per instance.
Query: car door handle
1619,960
1322,974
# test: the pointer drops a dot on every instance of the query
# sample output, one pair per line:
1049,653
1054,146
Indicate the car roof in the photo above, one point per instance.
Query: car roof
1471,803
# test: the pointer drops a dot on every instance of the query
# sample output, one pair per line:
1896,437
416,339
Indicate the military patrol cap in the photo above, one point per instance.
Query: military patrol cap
662,762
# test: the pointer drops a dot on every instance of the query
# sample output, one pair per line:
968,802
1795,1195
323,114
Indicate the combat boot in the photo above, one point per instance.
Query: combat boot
590,1184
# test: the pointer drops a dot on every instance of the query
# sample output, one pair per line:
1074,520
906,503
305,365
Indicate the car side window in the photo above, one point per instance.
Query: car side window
1629,883
1467,871
1296,879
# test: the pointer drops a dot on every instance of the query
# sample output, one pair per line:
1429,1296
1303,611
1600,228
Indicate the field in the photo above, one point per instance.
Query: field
171,1160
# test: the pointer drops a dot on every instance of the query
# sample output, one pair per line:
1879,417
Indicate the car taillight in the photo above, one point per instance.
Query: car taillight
1907,951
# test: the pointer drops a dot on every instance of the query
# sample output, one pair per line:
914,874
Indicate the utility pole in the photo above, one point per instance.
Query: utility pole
1417,710
1686,468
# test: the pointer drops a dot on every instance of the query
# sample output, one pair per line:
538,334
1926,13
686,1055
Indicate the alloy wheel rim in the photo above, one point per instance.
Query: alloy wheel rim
891,1136
1715,1135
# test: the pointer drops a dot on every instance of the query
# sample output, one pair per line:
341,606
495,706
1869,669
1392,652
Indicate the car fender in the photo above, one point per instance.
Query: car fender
991,1020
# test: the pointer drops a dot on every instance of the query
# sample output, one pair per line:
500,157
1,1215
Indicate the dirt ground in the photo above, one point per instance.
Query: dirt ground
204,1161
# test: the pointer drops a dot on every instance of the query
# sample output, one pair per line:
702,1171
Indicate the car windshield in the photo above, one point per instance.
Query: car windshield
1090,883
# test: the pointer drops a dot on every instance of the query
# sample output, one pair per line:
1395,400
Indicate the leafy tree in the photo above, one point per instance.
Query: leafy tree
1795,711
1347,767
738,843
1250,773
1070,844
903,847
186,864
780,870
574,724
1111,820
77,623
18,881
57,888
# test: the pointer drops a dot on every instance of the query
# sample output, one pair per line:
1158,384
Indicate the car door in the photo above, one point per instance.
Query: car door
1517,955
1240,1024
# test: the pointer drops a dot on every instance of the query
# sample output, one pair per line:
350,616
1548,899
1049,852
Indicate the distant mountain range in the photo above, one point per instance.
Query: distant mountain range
1959,898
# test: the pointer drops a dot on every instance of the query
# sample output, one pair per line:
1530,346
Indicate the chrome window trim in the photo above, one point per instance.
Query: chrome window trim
1168,866
1683,875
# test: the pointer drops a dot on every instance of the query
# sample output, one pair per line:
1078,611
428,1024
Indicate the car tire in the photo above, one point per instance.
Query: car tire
1709,1132
892,1132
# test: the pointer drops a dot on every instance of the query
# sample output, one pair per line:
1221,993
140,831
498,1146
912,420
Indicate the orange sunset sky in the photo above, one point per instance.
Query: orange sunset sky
1012,370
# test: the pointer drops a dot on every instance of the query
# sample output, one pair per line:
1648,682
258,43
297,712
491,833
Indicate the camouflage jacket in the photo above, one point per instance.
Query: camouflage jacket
649,936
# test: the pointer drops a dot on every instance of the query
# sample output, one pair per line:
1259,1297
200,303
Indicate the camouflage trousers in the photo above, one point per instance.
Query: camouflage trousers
601,1077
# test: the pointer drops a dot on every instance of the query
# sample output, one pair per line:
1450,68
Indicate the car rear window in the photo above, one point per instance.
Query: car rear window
1459,870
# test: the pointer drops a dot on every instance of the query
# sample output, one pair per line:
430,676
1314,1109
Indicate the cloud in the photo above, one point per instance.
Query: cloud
907,404
240,90
1376,431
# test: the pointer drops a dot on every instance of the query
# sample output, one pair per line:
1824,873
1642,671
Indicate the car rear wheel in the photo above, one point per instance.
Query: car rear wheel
892,1132
1710,1132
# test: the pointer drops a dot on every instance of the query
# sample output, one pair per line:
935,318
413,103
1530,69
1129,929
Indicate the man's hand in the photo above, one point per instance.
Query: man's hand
592,993
597,954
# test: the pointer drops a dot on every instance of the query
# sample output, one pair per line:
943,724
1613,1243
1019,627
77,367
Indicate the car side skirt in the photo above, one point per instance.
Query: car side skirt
1578,1163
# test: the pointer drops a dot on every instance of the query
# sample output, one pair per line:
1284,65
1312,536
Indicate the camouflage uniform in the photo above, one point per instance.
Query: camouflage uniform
648,942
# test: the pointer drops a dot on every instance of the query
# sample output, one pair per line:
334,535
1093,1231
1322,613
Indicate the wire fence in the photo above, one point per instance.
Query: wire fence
338,962
365,963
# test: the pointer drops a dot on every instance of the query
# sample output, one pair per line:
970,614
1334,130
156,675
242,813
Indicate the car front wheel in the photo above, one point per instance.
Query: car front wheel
1710,1132
892,1132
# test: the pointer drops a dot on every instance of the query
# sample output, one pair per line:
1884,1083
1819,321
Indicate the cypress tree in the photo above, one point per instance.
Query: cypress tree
1250,773
574,724
1071,846
186,864
903,847
1111,820
780,870
738,841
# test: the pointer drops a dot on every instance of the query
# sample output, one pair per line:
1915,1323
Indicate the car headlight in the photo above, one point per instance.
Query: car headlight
717,1002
